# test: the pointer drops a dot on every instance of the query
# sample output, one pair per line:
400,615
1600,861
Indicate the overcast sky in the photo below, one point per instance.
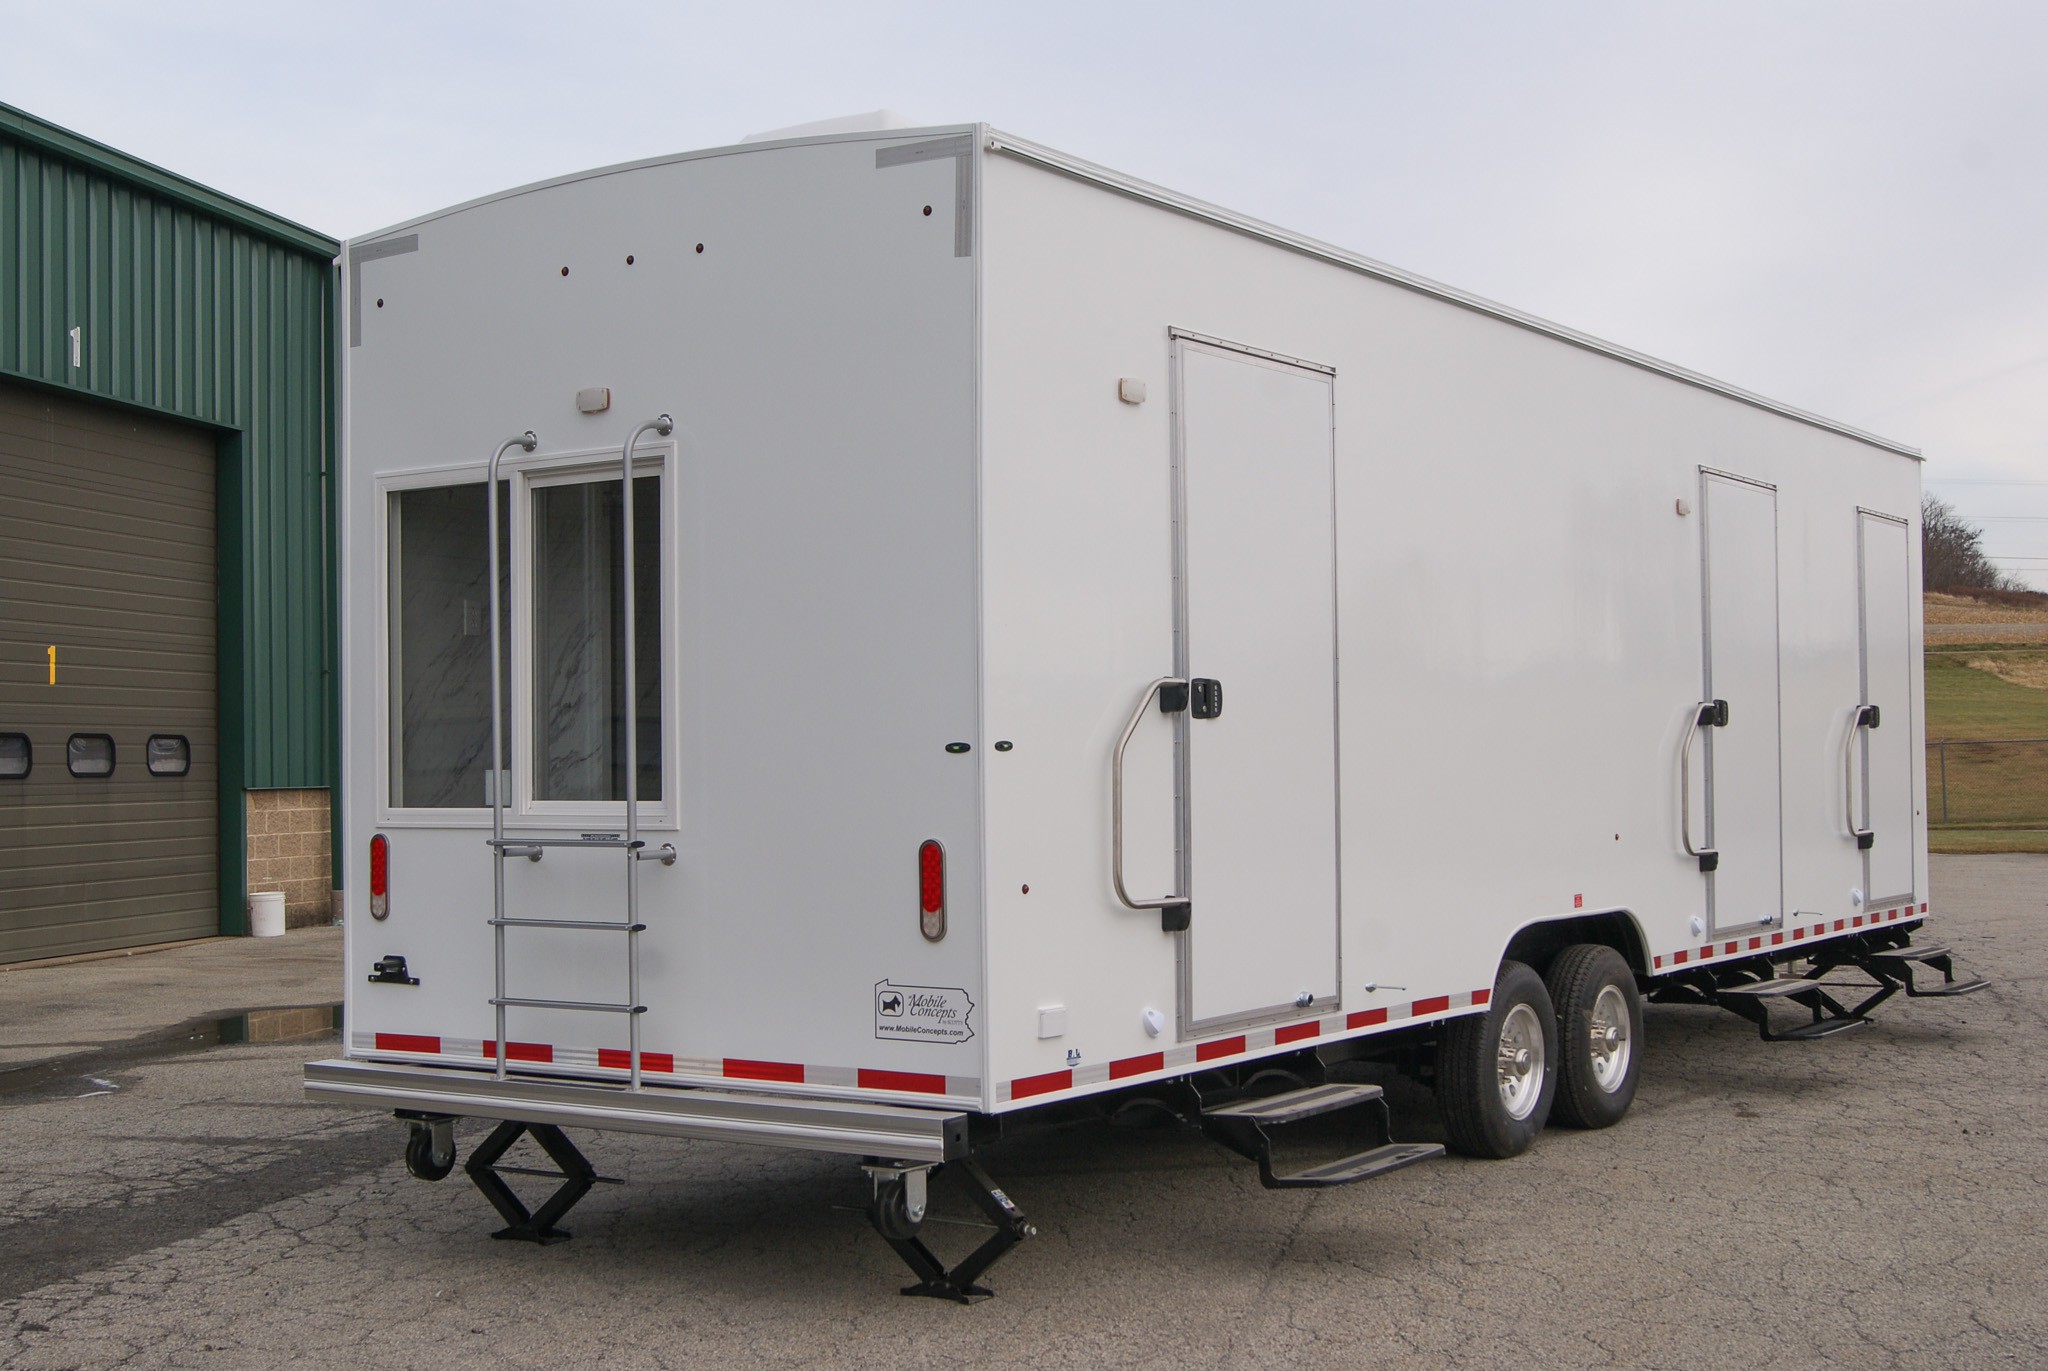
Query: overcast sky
1840,205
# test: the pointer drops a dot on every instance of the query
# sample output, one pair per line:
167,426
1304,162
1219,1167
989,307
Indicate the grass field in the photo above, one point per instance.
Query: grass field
1996,797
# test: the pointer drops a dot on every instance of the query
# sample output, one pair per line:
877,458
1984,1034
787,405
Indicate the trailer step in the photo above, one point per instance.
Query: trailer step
1895,965
1948,988
1241,1125
1296,1105
1892,968
1752,1001
1784,985
1377,1162
1910,954
1819,1028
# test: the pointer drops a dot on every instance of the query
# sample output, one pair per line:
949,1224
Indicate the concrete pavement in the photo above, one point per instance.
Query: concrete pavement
81,1006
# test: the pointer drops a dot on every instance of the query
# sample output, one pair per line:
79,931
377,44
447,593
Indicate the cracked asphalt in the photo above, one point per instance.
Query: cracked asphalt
1873,1200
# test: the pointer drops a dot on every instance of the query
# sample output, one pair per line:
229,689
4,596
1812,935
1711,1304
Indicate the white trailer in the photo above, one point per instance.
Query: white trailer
1087,650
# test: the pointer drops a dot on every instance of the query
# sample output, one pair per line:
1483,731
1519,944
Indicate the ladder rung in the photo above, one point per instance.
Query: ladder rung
573,1004
563,842
568,923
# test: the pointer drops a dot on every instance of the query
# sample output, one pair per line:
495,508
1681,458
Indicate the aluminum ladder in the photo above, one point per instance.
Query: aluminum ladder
504,849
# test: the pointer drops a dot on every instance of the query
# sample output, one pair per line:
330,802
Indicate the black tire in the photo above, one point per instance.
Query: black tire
1591,1092
1469,1091
420,1161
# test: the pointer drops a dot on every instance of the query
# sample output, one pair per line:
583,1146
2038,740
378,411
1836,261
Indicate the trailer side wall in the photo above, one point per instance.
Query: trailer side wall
1520,628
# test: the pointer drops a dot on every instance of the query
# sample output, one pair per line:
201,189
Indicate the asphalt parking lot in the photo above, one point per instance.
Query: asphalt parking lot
1872,1200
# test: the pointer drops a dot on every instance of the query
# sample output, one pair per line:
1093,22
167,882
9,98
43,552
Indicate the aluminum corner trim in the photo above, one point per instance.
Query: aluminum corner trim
959,147
954,145
359,253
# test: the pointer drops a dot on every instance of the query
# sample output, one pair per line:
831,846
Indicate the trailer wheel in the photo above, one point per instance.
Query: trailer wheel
1497,1071
420,1160
1600,1022
890,1212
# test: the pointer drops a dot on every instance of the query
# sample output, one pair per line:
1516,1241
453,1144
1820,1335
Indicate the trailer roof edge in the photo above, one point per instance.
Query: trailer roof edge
1080,169
662,160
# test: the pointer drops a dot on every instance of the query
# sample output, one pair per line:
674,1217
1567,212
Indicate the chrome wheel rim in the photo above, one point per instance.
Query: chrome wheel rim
1521,1061
1610,1045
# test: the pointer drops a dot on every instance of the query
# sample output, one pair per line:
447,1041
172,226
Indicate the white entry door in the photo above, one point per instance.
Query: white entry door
1256,637
1889,797
1739,566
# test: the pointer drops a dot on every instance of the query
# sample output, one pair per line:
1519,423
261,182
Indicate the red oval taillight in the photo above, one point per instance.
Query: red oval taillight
380,877
931,889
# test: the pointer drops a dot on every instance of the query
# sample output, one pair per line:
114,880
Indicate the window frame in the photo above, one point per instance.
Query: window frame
523,474
28,749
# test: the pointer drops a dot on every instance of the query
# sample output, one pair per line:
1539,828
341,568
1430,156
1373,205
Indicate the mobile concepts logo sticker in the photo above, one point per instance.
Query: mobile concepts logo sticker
923,1013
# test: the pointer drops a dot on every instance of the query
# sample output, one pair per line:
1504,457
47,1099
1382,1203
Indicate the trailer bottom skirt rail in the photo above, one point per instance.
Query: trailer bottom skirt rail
842,1126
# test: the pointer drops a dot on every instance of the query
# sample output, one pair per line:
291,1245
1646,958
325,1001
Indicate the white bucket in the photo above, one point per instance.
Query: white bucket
266,914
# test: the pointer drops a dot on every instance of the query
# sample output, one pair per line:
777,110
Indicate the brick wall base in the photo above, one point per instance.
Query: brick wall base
289,850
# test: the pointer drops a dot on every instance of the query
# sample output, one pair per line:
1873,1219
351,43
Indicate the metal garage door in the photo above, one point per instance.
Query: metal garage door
110,839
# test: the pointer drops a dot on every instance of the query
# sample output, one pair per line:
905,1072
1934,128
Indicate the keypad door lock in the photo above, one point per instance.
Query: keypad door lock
1205,697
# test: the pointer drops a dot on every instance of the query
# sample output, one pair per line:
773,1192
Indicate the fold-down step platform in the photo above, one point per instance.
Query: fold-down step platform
1829,1016
1241,1126
1899,962
848,1127
1768,990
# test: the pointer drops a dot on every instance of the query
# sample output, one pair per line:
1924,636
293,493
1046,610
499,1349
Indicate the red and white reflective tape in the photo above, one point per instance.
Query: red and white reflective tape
682,1070
1737,947
1175,1061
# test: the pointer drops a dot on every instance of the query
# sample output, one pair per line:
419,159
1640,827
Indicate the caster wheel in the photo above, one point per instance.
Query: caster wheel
421,1160
890,1212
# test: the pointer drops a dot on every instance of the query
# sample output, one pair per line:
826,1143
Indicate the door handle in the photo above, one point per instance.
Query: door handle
1175,912
1708,714
1865,716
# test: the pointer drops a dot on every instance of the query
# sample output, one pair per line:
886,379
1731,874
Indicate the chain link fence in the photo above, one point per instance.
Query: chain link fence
1988,783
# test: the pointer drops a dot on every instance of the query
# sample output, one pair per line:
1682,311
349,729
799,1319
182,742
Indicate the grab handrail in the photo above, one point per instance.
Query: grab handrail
1708,714
1864,716
663,425
498,772
1172,905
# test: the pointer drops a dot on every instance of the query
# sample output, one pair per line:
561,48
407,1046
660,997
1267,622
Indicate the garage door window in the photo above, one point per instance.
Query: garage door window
17,758
440,645
168,754
90,754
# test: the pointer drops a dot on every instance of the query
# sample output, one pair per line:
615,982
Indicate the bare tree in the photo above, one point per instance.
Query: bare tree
1952,553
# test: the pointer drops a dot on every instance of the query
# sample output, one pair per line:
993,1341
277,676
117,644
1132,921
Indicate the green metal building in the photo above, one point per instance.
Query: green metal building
167,624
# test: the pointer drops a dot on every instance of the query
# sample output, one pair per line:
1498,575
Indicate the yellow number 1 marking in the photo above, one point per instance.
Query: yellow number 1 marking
53,664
